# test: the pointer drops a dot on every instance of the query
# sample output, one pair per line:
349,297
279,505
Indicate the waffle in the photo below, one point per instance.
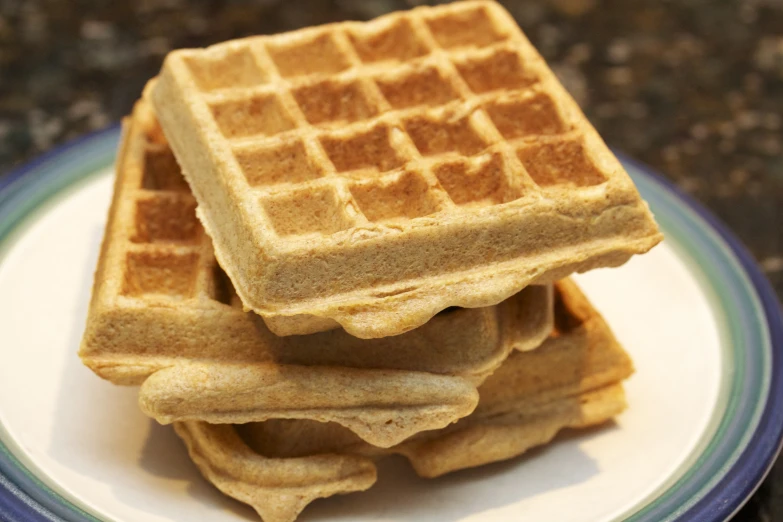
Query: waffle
164,315
280,466
376,173
384,390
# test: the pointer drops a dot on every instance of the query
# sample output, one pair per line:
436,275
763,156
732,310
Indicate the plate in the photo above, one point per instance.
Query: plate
700,321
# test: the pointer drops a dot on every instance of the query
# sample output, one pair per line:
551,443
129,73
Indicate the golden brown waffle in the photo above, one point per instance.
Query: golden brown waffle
164,315
376,173
278,489
572,381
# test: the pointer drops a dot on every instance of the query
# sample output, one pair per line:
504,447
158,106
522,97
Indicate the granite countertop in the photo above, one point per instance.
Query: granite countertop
692,87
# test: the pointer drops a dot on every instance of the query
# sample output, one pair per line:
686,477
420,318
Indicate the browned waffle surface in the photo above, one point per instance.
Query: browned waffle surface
375,173
278,489
164,314
572,381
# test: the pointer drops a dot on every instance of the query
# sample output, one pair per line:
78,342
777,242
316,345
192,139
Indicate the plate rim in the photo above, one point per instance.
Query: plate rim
753,465
724,498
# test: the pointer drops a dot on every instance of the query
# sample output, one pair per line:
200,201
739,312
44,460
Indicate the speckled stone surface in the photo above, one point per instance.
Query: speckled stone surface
692,87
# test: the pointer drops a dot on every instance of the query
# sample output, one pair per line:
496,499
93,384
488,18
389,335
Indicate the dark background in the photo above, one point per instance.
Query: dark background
692,87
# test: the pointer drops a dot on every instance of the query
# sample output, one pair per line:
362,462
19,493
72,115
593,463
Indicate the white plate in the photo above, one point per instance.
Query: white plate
703,342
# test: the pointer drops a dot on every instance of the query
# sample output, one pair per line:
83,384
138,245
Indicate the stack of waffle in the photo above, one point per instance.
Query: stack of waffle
335,244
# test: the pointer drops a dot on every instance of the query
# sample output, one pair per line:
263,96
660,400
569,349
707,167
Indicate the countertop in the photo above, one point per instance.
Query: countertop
693,88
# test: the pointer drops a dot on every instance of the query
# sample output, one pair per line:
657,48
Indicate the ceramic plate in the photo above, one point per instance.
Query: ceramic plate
698,318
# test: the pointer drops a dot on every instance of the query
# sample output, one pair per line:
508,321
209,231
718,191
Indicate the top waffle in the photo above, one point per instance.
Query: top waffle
375,173
163,315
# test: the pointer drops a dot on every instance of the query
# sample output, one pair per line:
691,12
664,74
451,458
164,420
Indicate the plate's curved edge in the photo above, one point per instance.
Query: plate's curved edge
42,159
718,504
16,504
755,462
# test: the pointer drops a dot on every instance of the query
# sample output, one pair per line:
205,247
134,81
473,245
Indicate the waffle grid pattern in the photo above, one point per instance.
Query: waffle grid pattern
331,134
166,252
158,250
